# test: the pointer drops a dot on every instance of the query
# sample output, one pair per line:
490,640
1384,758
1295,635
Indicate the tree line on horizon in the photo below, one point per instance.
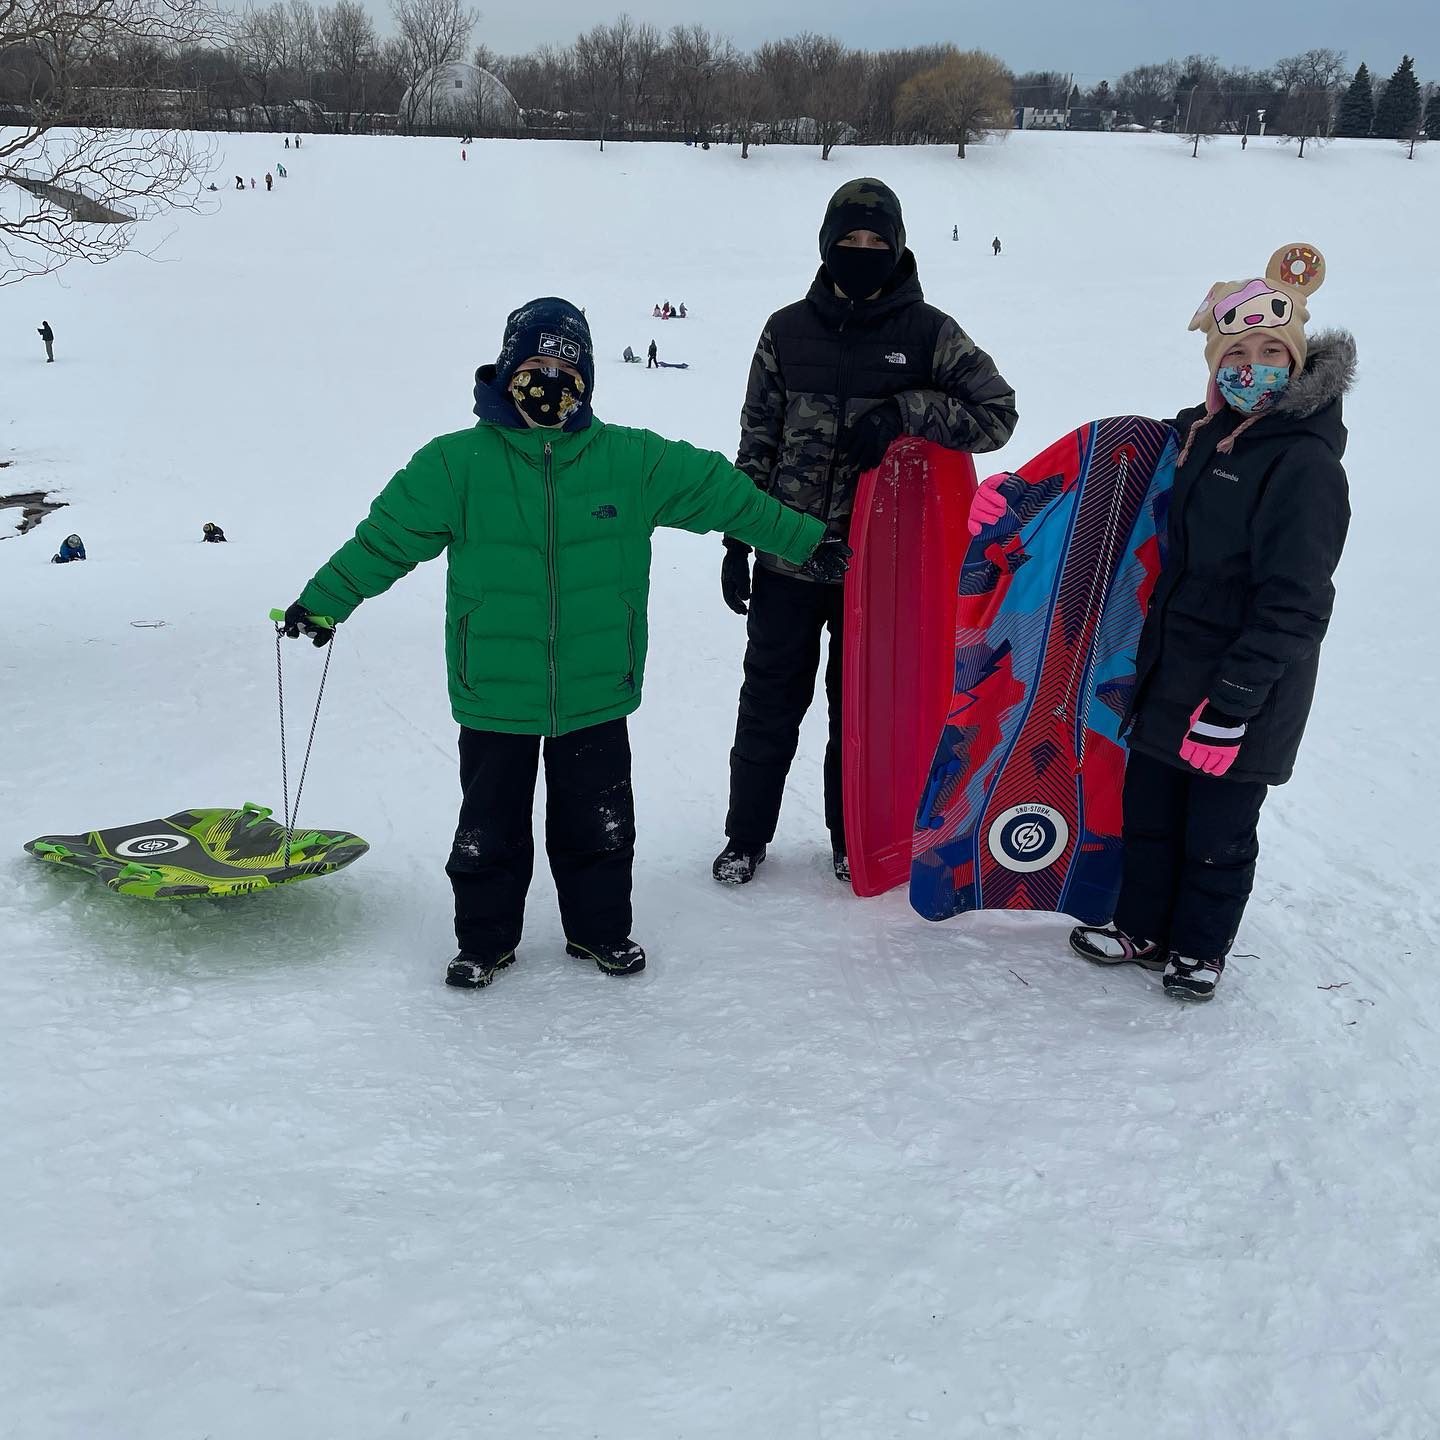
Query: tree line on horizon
294,65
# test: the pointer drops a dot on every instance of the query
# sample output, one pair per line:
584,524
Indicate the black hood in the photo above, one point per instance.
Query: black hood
900,290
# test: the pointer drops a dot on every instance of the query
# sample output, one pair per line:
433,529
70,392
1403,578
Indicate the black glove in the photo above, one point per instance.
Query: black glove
735,575
829,561
299,621
871,435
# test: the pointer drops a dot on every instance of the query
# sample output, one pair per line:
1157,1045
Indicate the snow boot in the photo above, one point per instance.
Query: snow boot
1110,945
737,862
620,957
1191,979
475,972
841,861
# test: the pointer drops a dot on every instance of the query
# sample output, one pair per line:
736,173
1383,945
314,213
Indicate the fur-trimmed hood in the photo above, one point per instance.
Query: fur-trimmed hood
1328,376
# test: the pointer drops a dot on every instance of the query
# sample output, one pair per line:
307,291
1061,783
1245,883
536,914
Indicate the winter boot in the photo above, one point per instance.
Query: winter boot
620,957
475,972
1191,979
840,860
737,862
1110,945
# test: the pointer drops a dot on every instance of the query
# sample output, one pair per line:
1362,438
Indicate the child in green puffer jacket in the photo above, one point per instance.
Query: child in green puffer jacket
546,516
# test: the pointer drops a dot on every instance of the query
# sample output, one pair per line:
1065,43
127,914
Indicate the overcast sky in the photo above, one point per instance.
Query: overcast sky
1096,38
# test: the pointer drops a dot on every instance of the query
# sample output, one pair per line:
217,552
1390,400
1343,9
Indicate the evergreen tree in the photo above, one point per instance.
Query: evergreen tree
1357,109
1398,112
1432,117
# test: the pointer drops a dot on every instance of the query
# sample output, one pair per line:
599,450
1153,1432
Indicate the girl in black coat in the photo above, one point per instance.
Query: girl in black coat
1228,657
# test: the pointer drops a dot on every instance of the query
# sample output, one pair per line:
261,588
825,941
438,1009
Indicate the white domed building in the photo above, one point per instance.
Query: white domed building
459,97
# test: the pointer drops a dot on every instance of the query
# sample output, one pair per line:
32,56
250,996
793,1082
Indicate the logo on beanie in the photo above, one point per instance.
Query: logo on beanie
560,347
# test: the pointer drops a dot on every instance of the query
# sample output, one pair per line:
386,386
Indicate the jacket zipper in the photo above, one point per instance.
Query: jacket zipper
842,398
552,581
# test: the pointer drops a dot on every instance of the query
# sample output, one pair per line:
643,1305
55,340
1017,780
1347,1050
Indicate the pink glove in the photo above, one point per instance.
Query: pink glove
1213,741
989,505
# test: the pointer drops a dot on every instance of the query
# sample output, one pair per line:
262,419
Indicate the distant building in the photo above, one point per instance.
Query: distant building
1034,117
1085,118
460,97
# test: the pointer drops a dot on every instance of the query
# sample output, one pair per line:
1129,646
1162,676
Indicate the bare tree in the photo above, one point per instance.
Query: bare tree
1310,85
884,75
430,33
695,57
258,43
831,80
744,93
349,50
600,70
1147,93
1198,100
967,96
86,174
643,70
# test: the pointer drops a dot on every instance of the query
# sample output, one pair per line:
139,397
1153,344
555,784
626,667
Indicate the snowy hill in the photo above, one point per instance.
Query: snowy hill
823,1170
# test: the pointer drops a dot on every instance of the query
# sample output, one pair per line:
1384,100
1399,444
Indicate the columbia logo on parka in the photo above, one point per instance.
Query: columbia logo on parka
1225,475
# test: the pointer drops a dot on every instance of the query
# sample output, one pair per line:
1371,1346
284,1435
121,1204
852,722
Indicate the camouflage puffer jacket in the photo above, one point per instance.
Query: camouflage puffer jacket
823,363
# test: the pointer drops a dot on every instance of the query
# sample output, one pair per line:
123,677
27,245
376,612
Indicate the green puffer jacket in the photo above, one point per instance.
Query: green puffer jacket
549,550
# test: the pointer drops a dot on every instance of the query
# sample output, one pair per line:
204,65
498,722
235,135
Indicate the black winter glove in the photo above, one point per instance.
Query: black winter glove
871,436
299,621
735,576
829,561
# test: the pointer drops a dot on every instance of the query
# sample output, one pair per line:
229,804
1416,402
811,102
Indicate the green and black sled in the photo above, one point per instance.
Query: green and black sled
201,852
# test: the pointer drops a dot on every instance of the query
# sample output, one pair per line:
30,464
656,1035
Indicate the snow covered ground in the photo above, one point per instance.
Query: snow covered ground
823,1170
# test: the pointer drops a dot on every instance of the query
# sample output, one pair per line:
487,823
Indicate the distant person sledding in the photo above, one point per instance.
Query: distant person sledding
656,313
212,534
73,548
630,357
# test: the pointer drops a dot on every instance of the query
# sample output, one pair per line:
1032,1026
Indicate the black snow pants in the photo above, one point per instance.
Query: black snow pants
787,619
589,834
1189,856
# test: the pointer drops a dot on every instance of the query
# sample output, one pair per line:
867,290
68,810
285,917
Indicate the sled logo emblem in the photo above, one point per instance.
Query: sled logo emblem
146,847
1027,838
559,346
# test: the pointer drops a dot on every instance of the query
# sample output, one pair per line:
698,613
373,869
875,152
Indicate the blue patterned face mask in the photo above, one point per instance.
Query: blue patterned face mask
1252,388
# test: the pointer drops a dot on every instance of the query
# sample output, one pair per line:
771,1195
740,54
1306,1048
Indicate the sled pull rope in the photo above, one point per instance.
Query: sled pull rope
291,817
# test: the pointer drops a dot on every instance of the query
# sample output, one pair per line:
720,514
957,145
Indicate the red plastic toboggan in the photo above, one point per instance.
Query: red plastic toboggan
909,536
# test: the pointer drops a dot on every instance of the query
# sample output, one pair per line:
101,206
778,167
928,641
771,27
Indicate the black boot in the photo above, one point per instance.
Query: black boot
475,972
840,860
1192,979
1110,945
620,957
737,862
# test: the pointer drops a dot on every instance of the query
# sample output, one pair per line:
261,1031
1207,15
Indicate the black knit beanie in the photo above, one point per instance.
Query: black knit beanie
549,327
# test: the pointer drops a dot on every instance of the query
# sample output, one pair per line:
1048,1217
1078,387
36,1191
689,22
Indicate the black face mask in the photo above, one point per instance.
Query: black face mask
859,272
547,396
